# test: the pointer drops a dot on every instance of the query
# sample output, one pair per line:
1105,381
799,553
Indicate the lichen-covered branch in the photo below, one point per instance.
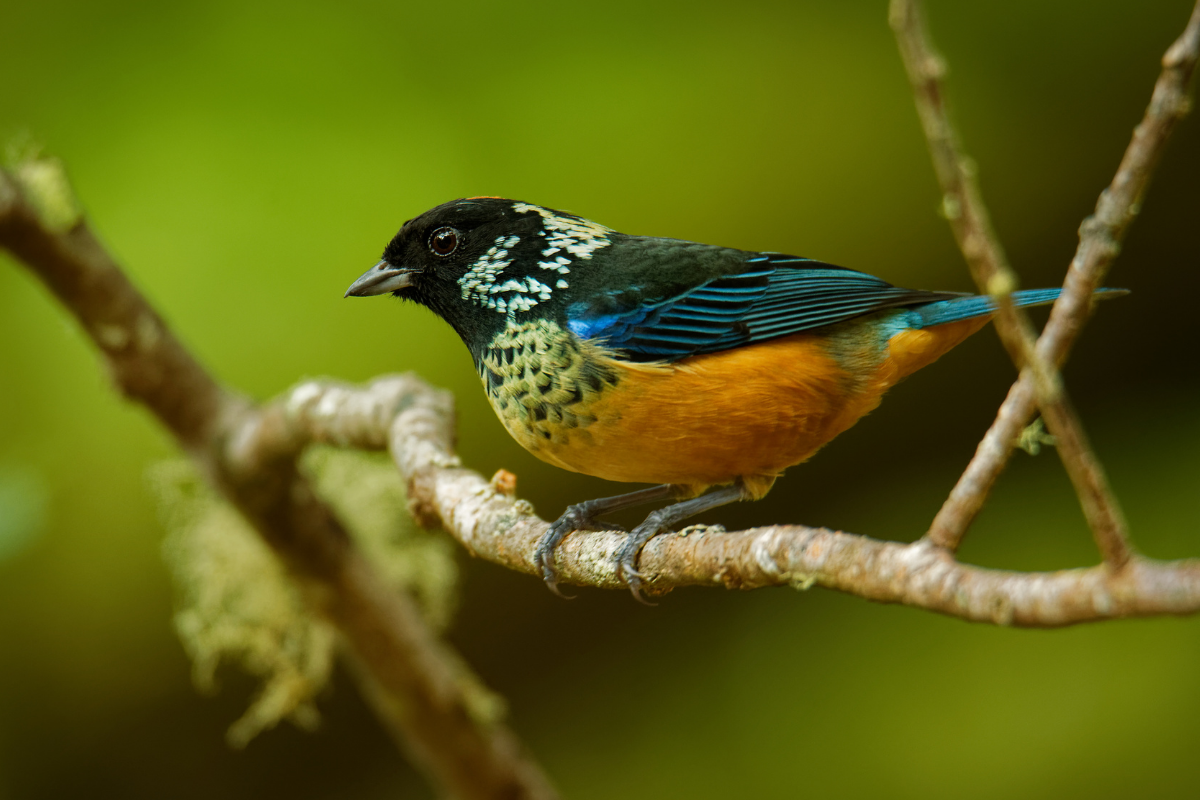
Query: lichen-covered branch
1101,234
495,526
40,224
411,677
413,680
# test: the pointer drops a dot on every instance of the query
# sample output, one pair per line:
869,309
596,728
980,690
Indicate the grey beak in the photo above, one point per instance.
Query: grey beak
380,279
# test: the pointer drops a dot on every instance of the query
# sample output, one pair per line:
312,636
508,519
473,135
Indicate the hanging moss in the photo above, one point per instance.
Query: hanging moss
238,605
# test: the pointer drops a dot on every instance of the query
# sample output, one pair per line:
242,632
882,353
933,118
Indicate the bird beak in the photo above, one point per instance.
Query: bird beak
381,279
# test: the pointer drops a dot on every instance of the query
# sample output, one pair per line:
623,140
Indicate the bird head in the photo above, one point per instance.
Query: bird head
482,262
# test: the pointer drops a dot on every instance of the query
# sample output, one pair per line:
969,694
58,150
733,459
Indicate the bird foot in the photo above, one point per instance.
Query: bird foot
627,556
575,518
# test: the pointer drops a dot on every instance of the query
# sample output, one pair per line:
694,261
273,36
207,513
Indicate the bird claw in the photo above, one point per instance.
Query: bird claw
634,583
582,517
543,555
543,560
627,558
552,585
574,518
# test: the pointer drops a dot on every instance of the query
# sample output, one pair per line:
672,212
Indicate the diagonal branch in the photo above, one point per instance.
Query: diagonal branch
964,208
962,201
412,679
494,526
1101,234
249,453
1100,238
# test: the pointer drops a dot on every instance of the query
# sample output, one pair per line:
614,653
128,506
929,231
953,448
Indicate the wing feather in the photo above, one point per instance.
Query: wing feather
778,295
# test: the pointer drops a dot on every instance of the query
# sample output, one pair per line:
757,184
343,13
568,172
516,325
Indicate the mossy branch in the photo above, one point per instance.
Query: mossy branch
416,422
414,681
417,685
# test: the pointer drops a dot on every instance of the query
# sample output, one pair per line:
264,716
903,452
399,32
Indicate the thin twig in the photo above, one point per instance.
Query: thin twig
962,201
250,454
969,220
411,677
1100,238
494,526
1101,234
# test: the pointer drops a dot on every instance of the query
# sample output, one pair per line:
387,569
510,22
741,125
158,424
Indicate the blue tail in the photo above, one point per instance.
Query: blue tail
944,311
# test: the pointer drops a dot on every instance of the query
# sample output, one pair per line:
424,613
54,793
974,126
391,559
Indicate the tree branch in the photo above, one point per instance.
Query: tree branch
413,680
1040,383
494,526
1099,243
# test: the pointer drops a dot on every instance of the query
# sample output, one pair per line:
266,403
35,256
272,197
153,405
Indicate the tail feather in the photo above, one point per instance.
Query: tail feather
960,308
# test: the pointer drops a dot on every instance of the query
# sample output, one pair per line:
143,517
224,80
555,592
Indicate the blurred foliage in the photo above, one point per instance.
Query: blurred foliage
246,161
22,508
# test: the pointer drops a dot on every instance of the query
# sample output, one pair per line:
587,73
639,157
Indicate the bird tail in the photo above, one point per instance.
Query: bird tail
979,305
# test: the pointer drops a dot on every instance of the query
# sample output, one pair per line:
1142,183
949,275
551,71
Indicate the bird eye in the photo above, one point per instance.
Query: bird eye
443,241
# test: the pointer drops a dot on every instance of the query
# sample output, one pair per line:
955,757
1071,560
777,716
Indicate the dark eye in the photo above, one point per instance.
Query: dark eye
443,241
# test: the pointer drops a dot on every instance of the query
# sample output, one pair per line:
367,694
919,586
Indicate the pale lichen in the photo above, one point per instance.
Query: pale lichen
237,604
801,581
1034,436
700,530
43,182
367,493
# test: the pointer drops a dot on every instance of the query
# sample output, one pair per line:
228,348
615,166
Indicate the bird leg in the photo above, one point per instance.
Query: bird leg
582,517
662,520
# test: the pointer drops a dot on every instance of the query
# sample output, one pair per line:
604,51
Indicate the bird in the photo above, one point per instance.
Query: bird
705,371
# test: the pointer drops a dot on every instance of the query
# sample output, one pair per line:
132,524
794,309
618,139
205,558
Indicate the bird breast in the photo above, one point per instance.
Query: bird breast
747,413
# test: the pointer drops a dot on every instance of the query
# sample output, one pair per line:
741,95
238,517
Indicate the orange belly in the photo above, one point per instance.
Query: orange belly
746,413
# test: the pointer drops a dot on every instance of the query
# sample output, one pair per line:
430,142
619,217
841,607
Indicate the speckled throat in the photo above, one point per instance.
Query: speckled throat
542,381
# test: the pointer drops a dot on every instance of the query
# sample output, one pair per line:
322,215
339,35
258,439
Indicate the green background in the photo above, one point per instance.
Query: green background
246,161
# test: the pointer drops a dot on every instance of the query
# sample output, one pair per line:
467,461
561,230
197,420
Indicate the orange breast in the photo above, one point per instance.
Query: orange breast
749,412
745,413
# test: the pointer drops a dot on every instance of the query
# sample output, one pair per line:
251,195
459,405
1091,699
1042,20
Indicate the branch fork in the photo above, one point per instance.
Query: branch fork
407,673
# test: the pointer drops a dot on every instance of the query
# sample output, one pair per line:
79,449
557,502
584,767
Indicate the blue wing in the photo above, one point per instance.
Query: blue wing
775,296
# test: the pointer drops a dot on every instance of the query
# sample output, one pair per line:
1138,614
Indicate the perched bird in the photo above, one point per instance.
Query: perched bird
650,360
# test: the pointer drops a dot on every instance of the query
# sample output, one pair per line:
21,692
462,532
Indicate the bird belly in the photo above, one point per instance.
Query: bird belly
746,413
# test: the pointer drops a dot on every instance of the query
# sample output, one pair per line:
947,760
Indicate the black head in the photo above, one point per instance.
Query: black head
483,261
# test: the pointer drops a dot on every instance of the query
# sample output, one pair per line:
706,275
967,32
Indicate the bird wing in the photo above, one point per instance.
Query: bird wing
775,295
